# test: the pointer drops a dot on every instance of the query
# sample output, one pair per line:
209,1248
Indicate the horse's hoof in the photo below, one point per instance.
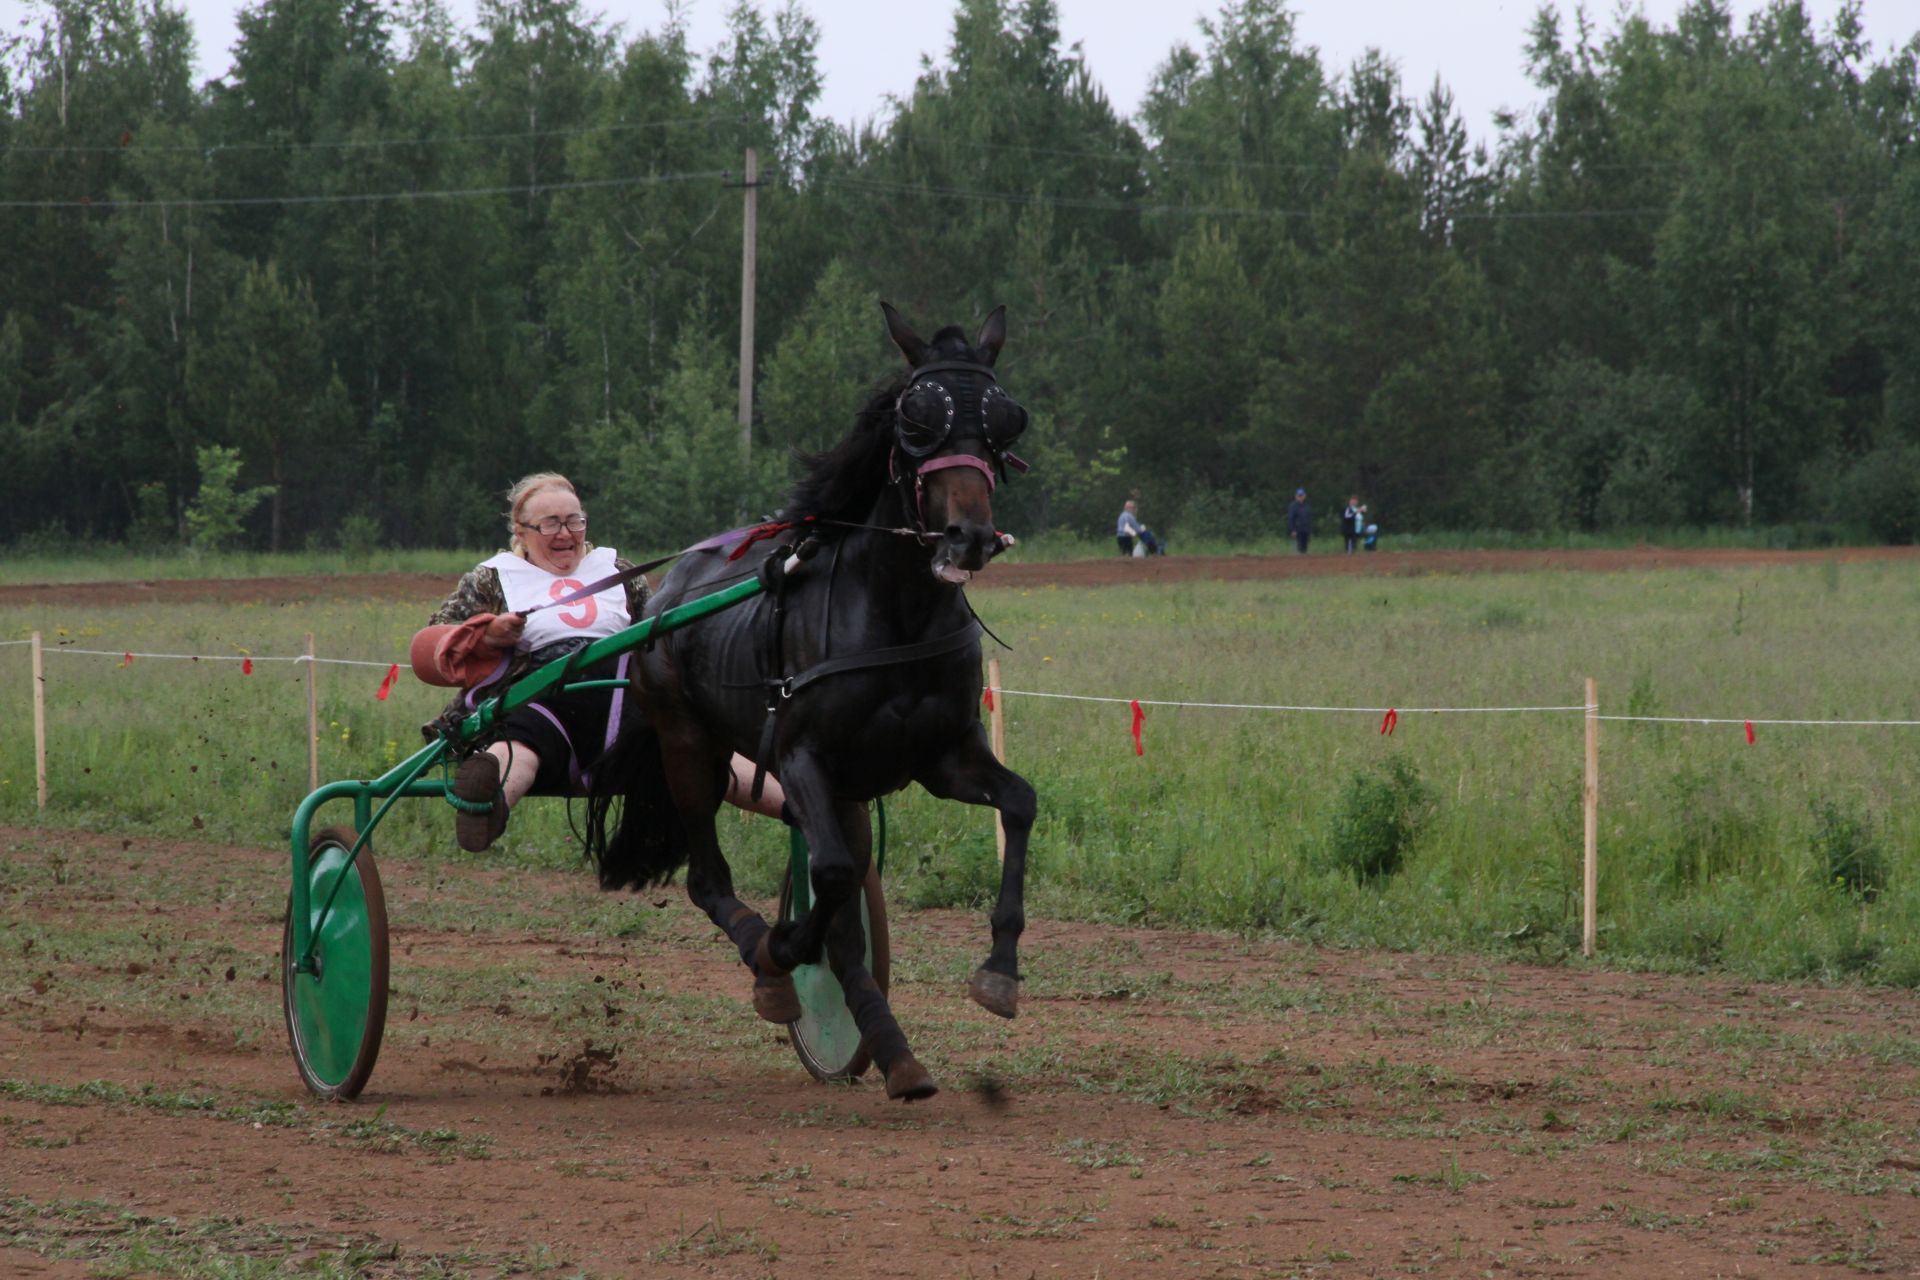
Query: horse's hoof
774,996
995,992
776,1000
908,1081
763,962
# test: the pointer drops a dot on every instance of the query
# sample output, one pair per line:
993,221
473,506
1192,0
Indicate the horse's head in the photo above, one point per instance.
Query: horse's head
952,428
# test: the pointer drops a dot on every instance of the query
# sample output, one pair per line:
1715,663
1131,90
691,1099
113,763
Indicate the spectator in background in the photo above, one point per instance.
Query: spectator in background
1129,530
1300,520
1353,523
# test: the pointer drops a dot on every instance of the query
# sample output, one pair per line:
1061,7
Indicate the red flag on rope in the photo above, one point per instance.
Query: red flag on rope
386,685
987,697
246,666
1139,718
1749,733
127,661
1389,722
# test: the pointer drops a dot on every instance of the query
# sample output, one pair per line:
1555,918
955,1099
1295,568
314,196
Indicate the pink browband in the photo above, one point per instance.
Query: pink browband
981,465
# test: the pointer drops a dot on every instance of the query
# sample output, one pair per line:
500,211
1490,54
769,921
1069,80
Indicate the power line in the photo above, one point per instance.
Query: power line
1200,211
1156,157
1146,159
209,149
371,197
872,186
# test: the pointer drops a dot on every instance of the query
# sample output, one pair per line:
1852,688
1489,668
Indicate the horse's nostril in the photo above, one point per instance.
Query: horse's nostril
956,534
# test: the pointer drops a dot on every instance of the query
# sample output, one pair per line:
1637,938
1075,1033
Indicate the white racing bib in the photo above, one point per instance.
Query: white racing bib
525,584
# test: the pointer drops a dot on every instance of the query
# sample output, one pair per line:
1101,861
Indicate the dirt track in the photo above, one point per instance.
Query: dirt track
1168,1104
574,1083
1009,573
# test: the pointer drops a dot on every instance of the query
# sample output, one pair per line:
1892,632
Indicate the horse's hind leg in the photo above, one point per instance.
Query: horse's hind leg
880,1032
971,775
698,784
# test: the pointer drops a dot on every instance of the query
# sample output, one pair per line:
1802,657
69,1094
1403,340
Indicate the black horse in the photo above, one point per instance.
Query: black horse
856,673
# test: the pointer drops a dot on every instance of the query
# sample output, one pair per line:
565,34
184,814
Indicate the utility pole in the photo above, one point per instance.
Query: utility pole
749,234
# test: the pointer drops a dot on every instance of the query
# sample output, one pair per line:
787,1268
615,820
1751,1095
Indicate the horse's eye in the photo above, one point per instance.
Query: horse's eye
925,418
1004,417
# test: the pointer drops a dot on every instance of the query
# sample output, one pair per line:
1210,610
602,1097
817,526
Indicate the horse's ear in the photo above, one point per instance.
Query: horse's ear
904,337
993,332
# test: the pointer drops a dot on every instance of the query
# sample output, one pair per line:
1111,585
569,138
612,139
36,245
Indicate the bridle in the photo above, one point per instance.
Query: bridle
928,423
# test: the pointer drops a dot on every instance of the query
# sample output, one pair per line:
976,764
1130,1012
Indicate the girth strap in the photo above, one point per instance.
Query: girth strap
779,690
893,657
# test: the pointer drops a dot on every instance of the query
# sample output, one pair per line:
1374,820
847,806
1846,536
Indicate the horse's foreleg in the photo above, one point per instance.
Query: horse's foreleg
880,1032
971,775
835,869
697,785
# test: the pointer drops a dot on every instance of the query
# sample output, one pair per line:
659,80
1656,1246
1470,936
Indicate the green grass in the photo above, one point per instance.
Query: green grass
112,1241
1714,854
109,562
370,1132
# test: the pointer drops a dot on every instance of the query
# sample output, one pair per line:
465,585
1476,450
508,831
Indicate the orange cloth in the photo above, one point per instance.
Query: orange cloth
456,655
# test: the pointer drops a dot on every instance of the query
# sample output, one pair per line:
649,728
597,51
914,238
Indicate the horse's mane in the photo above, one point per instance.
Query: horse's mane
843,482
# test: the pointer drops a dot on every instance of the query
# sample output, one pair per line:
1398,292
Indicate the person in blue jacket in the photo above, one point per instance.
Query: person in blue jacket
1300,520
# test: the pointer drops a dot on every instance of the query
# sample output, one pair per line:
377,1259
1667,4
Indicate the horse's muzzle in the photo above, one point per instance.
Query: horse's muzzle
968,545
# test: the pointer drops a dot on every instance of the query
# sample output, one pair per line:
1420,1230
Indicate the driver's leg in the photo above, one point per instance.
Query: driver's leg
740,790
519,765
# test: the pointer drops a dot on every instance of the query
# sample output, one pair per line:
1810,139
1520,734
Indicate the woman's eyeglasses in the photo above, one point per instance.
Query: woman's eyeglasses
552,525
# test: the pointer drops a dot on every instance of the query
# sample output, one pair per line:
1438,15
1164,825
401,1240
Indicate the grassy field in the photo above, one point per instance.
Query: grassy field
112,563
1793,857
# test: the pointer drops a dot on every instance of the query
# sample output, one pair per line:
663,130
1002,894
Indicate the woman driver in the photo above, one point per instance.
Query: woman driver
483,636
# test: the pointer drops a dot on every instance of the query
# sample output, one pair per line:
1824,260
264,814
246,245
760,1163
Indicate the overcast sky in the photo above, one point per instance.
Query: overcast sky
872,48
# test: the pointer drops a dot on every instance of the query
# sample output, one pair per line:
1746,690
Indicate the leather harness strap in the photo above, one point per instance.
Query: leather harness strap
780,688
915,652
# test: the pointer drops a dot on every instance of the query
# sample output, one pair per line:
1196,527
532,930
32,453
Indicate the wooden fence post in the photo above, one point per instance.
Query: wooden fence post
997,722
1590,803
313,718
39,721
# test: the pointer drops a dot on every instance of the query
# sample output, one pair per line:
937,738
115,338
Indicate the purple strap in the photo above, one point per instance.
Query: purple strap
582,779
613,713
723,539
573,757
470,696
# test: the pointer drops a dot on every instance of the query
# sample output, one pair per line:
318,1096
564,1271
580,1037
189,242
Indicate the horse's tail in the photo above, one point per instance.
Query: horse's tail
648,842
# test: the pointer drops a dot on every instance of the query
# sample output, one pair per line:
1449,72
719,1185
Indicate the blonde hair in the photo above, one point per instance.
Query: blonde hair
522,493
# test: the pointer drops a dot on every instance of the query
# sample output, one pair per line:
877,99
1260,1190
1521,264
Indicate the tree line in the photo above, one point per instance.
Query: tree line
384,265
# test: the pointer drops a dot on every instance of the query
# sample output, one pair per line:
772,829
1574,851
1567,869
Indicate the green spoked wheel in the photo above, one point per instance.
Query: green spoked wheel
824,1036
335,1017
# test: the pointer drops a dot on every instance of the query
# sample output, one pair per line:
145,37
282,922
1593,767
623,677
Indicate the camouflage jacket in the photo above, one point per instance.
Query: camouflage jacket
479,591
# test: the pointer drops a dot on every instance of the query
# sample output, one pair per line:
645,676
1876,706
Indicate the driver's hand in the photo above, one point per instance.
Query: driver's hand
504,631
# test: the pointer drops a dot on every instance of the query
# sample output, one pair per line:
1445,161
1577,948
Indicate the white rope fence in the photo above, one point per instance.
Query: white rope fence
1758,720
996,694
1441,711
310,659
998,691
1588,709
124,654
1275,706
